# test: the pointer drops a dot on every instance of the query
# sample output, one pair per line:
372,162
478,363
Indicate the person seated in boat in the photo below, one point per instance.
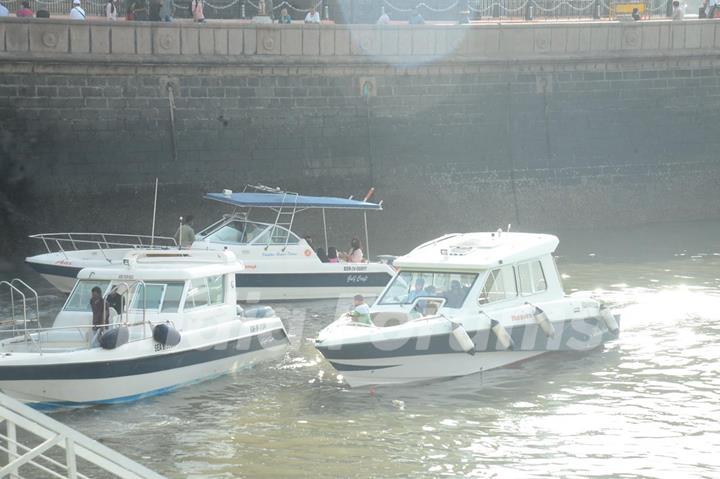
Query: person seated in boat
308,240
418,291
360,312
332,255
455,295
321,255
355,254
99,314
185,235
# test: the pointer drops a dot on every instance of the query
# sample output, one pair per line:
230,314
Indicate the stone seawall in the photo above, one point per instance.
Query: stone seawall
458,128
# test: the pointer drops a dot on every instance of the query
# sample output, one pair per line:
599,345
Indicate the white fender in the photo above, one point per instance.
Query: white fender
609,319
463,339
502,335
542,319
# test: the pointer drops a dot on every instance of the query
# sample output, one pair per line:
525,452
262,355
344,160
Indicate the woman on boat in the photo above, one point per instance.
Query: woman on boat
355,254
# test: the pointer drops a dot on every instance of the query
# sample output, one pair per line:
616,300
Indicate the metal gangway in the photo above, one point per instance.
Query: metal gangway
39,447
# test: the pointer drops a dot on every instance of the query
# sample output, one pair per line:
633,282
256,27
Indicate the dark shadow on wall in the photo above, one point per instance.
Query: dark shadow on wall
14,184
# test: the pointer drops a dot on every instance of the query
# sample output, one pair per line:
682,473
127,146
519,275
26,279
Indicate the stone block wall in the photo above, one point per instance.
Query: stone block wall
542,126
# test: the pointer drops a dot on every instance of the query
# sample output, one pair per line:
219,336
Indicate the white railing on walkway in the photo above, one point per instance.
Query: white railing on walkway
38,446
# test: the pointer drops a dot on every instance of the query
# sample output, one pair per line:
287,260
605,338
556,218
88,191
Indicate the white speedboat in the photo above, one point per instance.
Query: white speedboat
279,265
462,304
174,321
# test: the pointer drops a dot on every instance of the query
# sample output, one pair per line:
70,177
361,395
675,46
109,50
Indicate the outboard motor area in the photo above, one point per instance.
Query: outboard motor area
115,337
166,335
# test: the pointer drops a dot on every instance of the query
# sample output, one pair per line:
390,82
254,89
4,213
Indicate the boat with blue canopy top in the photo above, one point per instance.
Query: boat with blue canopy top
279,264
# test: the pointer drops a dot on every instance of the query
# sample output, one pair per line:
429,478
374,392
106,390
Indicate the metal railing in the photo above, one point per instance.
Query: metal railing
102,241
38,446
19,288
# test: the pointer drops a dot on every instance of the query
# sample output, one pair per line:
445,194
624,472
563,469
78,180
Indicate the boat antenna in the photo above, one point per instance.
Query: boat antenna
180,232
509,226
152,233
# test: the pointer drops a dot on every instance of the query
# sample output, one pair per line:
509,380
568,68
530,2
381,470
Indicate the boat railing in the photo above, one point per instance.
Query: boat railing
21,290
39,446
64,242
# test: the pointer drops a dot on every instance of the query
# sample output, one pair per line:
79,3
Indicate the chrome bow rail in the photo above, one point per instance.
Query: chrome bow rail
63,242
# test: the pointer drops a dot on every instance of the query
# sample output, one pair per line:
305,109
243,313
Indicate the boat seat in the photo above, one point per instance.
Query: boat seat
388,319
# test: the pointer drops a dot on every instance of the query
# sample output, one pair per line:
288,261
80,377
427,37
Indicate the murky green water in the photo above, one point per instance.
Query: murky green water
648,405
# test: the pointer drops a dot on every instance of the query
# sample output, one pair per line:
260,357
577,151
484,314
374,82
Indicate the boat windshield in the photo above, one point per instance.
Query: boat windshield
163,297
79,299
408,285
236,232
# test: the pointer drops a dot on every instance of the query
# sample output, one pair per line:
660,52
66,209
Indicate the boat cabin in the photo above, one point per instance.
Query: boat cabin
461,272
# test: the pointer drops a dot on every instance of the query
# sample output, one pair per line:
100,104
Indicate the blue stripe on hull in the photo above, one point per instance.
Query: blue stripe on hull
312,280
528,337
143,365
54,269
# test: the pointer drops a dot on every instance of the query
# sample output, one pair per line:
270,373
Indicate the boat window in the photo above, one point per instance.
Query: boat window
148,296
79,299
532,278
409,285
216,286
173,294
500,285
277,235
236,232
198,294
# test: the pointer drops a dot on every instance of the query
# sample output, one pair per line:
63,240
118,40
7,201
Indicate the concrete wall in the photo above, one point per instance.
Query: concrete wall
544,126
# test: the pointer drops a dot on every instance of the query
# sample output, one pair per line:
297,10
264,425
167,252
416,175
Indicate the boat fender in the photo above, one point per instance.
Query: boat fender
609,319
114,338
503,337
260,312
542,319
463,339
166,335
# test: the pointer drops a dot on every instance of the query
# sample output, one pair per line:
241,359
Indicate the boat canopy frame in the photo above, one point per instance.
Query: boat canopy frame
287,204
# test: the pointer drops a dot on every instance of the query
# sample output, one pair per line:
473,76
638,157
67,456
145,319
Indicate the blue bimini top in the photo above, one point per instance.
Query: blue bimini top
287,200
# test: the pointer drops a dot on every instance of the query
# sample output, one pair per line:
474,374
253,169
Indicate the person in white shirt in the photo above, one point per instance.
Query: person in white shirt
384,18
111,10
4,12
313,16
77,13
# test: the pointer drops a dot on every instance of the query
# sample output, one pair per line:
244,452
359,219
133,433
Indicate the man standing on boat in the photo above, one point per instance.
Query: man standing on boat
185,235
99,319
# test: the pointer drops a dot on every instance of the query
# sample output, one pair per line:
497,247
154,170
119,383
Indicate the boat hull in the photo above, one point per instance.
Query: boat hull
124,380
252,286
423,358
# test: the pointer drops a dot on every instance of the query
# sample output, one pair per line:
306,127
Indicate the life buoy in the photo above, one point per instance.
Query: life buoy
308,252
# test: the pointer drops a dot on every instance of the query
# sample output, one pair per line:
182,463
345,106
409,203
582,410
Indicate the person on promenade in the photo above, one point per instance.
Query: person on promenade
111,10
384,18
677,11
313,16
196,7
635,14
24,11
285,17
77,12
185,235
4,12
710,9
166,11
155,6
416,18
